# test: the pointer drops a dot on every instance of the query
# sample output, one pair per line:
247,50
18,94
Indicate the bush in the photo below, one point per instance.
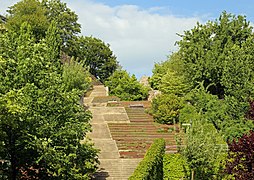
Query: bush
165,108
151,167
175,167
241,157
126,87
75,76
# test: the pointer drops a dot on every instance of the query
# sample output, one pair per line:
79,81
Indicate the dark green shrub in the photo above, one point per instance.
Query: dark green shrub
151,167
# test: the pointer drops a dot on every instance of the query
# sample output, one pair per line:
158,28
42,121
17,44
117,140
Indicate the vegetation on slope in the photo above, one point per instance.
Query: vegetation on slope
212,76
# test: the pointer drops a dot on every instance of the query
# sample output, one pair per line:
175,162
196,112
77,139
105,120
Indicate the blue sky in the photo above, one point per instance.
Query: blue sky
192,7
143,32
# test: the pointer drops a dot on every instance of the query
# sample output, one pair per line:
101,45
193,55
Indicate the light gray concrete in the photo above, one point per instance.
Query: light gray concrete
100,131
111,167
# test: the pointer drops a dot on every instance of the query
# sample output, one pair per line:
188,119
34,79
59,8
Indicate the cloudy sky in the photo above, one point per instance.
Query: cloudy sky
143,32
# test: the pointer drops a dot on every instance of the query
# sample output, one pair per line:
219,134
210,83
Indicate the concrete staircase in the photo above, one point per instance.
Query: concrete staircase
111,167
116,169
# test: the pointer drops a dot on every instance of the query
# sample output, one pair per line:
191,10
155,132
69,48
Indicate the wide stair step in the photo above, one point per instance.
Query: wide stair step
119,169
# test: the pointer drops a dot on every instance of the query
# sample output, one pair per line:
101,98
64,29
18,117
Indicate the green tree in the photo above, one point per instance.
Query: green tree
169,77
220,54
96,55
227,116
172,83
159,70
39,14
30,11
41,123
126,87
66,20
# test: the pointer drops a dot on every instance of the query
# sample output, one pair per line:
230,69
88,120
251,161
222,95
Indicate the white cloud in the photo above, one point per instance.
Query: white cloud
138,37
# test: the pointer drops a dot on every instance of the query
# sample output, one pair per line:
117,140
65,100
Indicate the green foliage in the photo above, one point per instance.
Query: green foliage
41,123
165,108
215,60
168,77
30,11
126,87
205,150
96,55
75,76
175,167
227,115
159,70
172,83
66,21
151,167
40,14
220,54
92,52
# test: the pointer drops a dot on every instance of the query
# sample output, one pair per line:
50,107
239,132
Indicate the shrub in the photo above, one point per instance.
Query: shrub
126,87
165,108
175,167
75,76
151,167
240,162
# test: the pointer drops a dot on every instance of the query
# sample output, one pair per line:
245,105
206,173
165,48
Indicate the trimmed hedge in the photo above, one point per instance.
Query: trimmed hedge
151,167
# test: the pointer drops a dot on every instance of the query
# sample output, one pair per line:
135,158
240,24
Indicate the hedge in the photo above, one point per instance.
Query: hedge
151,167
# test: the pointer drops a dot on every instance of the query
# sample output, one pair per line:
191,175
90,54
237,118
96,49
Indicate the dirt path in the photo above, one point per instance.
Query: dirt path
112,167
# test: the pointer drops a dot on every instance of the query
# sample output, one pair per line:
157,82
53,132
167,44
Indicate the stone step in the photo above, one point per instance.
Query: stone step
100,131
141,136
119,169
108,148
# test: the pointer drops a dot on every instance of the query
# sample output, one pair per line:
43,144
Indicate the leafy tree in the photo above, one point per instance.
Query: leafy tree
126,87
169,78
39,14
41,123
172,83
97,56
240,161
227,115
30,11
165,108
66,20
220,53
159,70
